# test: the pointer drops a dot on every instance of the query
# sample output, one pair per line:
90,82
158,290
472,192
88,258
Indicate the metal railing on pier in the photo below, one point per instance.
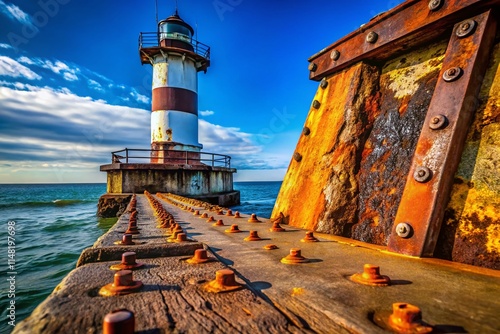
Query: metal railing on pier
129,155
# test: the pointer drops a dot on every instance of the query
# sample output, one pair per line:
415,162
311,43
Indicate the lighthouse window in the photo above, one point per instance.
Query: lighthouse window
175,31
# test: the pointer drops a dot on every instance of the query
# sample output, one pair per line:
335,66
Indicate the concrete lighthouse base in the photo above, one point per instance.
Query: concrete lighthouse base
210,184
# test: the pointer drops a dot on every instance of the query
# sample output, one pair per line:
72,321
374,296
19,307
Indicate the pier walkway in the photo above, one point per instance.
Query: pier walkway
317,296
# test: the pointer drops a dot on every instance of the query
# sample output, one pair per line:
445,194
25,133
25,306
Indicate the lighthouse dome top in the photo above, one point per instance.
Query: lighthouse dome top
174,25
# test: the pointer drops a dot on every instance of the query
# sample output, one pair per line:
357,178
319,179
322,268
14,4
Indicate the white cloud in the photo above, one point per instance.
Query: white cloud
58,67
26,60
10,67
15,13
226,140
95,85
5,46
139,97
207,113
70,76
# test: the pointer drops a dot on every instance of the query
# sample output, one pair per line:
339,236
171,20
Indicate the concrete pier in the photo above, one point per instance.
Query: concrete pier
317,296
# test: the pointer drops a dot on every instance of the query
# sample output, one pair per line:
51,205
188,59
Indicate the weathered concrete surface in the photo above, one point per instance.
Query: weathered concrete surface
172,300
112,205
320,296
150,243
471,228
185,180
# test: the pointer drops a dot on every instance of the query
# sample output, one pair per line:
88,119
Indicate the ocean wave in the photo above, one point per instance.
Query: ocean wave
53,203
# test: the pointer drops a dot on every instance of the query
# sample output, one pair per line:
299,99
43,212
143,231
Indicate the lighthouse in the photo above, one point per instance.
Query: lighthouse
176,59
175,163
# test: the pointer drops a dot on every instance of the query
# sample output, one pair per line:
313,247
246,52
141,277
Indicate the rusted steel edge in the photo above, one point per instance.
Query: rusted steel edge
408,25
439,150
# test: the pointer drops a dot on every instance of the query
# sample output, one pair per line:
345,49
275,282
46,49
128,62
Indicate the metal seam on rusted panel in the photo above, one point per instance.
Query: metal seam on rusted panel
408,25
422,204
173,98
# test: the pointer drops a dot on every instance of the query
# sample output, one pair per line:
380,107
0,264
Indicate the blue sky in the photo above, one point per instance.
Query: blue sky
72,88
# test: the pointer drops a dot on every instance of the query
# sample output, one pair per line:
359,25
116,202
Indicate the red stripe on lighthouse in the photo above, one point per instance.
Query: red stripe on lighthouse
172,98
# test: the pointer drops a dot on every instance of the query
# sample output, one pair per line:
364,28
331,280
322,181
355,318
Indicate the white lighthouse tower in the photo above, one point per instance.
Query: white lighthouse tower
176,59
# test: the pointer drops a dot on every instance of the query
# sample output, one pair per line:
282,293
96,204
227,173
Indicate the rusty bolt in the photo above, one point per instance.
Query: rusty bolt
196,213
211,219
452,74
220,212
253,218
237,214
200,256
128,262
224,281
407,318
422,174
204,215
254,236
132,230
229,213
306,131
119,322
123,283
297,156
435,5
335,55
181,237
277,227
403,230
466,28
324,83
438,122
233,229
316,104
312,67
371,276
372,37
219,223
126,240
309,237
294,257
270,247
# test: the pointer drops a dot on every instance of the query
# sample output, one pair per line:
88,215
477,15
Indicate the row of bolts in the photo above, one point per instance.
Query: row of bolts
404,317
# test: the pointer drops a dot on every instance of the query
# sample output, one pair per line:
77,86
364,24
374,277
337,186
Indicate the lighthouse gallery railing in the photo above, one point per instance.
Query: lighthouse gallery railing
152,39
129,155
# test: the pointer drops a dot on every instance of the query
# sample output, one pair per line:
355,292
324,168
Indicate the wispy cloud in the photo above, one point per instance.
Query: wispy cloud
16,14
207,113
139,97
5,46
68,72
95,85
11,68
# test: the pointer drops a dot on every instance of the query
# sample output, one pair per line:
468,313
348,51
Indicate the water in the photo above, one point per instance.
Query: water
55,222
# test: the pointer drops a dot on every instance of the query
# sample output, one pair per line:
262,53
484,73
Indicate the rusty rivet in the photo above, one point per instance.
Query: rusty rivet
422,174
277,227
220,212
119,322
196,213
219,223
233,229
132,229
204,215
295,256
211,219
335,55
309,237
229,213
270,247
466,28
403,230
435,5
372,37
200,256
306,131
128,262
438,122
126,240
407,318
323,84
181,237
254,236
253,218
123,283
371,276
312,67
237,214
316,104
224,281
452,74
297,156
